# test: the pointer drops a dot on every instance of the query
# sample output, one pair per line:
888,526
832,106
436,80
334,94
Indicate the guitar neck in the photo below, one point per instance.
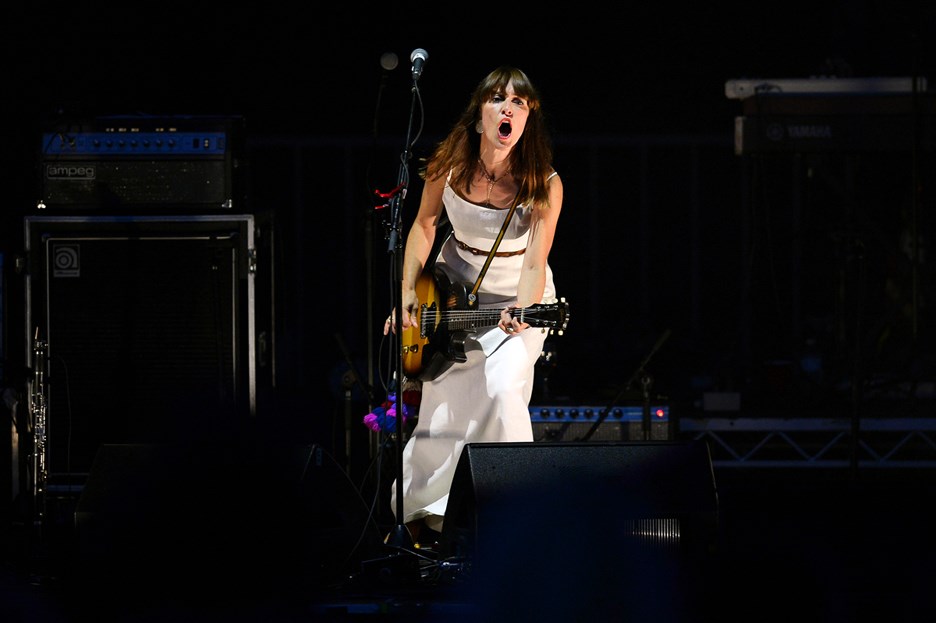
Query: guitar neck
463,320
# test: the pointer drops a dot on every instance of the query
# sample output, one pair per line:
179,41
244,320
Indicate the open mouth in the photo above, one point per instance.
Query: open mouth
504,129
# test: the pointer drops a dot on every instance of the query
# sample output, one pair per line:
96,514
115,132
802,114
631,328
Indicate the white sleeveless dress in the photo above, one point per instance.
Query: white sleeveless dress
486,398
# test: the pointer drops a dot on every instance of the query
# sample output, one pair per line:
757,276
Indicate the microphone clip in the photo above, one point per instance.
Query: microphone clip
387,196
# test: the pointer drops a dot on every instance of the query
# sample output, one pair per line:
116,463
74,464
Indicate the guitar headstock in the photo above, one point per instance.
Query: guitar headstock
565,318
552,316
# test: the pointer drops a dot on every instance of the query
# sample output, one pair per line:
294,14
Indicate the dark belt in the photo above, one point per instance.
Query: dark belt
465,247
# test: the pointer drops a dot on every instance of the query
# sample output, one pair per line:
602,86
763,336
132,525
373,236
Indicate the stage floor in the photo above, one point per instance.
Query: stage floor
792,544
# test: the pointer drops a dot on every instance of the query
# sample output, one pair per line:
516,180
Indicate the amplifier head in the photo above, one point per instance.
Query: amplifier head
121,163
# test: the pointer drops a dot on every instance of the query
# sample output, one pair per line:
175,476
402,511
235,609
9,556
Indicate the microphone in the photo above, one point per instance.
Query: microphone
418,58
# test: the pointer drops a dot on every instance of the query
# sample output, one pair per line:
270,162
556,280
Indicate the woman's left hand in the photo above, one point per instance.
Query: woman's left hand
510,324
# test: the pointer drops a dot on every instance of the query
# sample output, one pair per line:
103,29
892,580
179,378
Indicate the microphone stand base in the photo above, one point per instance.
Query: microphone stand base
400,538
400,569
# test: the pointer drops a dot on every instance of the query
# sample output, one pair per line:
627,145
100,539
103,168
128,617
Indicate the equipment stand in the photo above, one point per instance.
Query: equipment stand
646,382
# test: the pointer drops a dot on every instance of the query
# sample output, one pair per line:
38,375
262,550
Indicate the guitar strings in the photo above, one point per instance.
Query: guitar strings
480,316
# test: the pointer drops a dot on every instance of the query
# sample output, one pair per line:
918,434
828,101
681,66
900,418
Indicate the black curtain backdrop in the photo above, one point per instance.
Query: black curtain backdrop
749,264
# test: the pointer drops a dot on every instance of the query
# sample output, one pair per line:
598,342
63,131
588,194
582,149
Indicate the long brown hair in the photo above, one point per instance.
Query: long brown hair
531,157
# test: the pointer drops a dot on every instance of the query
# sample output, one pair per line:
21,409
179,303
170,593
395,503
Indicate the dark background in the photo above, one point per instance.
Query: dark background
665,232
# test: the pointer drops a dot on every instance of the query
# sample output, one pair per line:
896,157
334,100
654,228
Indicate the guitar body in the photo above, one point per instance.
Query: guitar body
432,348
447,318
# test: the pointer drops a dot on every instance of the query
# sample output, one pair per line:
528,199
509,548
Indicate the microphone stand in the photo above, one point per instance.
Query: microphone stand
646,381
400,537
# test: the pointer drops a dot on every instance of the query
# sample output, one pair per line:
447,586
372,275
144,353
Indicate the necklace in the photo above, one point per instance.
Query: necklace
490,179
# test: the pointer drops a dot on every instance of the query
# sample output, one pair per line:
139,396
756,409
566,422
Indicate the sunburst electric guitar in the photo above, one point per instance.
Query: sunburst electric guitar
446,319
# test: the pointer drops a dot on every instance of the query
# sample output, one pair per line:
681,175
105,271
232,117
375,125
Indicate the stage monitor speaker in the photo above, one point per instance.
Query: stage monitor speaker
622,518
238,514
149,323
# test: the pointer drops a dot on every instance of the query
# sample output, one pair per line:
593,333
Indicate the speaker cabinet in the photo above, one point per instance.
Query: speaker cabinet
619,521
149,324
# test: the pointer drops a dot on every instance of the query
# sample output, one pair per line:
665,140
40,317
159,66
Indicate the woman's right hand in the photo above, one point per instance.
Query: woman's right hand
410,312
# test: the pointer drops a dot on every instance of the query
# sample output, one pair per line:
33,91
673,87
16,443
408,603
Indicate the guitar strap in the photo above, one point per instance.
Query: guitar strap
473,296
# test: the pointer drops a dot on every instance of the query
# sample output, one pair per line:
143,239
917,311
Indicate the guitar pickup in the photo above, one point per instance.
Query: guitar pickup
428,319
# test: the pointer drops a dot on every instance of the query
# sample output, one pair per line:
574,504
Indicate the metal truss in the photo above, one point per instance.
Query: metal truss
816,442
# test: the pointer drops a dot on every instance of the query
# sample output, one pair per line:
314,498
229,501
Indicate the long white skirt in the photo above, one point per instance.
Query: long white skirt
484,399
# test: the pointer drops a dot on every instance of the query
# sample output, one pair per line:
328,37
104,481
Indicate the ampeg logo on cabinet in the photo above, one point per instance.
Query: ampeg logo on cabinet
66,260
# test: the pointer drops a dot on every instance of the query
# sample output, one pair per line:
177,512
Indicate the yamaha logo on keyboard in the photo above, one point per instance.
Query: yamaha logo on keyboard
82,173
779,132
809,131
